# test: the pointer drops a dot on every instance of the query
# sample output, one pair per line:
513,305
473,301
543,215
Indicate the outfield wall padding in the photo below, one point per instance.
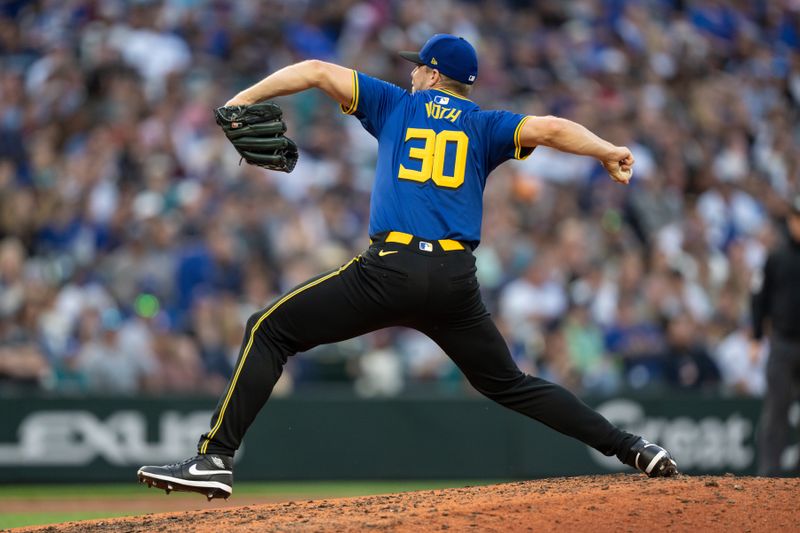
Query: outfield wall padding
340,437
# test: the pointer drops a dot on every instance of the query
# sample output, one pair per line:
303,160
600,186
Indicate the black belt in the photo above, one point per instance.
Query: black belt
418,243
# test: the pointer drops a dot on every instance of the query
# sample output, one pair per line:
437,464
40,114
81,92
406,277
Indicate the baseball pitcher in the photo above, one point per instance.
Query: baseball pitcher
436,148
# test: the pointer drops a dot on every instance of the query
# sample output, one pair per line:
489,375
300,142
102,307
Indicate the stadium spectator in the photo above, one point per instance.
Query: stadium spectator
686,362
115,182
116,359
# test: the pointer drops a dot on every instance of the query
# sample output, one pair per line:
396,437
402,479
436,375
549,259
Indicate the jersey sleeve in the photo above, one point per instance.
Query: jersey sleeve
373,101
503,137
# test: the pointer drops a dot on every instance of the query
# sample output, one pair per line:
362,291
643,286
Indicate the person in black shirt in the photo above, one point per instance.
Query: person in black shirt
776,302
687,364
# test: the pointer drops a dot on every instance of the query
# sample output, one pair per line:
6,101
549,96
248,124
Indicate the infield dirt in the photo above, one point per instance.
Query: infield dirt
593,503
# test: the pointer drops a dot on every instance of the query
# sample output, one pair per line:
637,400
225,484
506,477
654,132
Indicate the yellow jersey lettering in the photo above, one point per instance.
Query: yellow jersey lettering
437,111
453,115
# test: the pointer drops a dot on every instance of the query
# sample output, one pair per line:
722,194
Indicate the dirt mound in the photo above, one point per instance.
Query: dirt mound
596,503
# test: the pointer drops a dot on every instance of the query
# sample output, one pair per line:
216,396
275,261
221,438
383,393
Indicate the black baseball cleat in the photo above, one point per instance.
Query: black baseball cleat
651,459
208,474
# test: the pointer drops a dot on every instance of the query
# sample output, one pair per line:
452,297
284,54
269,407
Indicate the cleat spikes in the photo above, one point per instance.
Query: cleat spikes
671,469
651,459
210,475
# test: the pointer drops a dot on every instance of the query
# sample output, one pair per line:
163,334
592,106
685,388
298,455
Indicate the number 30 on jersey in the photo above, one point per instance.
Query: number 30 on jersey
432,155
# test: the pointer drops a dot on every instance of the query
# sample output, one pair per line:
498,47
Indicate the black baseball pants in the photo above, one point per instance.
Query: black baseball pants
420,286
783,388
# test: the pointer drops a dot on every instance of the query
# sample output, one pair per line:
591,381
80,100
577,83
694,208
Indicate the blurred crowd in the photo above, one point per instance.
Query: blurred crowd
133,245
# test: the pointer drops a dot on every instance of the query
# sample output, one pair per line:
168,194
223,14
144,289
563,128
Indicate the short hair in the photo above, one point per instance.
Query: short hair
450,84
456,86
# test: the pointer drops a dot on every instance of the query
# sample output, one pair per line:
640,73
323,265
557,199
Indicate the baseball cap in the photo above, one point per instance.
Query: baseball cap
452,56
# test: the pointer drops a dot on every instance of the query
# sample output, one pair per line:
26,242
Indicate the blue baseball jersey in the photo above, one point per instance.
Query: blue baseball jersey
435,150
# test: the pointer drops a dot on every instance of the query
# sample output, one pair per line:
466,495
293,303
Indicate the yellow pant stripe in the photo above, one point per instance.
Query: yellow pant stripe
263,317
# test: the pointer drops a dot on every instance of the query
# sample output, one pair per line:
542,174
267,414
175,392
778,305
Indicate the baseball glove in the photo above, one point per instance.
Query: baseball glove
257,133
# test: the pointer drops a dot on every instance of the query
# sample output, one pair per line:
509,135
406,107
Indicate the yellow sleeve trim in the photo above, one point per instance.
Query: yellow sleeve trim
518,152
354,104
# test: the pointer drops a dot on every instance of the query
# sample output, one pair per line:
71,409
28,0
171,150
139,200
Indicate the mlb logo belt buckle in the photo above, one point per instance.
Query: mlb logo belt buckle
425,246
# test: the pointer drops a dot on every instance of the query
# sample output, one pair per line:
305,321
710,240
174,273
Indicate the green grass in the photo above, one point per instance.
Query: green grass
274,488
8,520
120,492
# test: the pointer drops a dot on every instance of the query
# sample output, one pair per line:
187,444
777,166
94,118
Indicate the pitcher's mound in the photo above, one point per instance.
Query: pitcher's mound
593,503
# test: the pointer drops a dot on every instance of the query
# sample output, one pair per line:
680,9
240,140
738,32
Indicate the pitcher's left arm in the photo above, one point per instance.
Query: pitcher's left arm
568,136
334,80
